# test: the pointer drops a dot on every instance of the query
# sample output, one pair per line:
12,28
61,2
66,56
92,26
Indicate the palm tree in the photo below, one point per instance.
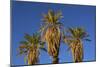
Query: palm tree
77,35
51,33
30,48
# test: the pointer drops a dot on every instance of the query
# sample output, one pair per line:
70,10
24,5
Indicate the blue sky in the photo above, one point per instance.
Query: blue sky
26,18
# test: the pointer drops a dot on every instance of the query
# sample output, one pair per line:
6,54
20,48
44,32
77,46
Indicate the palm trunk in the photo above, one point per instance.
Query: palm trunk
77,51
55,60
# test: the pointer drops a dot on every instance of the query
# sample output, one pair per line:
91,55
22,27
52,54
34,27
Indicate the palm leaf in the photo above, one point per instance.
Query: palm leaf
72,31
51,15
41,46
24,42
21,52
28,37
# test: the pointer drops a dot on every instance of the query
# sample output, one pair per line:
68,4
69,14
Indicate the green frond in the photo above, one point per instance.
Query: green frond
58,15
28,37
59,24
72,32
24,42
41,46
21,52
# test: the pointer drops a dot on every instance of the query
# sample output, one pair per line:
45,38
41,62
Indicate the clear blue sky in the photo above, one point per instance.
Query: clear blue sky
26,18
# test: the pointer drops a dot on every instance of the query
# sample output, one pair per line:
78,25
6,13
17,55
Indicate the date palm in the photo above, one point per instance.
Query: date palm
51,33
30,48
77,35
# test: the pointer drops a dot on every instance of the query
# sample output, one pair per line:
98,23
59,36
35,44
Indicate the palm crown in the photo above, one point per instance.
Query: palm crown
74,40
30,47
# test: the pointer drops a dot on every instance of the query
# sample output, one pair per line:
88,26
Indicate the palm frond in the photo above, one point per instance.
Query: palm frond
28,37
52,17
41,46
72,31
22,52
24,42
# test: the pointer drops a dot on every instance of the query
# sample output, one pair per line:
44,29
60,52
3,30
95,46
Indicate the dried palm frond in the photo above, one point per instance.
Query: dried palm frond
53,39
77,51
33,55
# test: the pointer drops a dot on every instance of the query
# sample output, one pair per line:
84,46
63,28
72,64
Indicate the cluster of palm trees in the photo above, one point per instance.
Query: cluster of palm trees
52,34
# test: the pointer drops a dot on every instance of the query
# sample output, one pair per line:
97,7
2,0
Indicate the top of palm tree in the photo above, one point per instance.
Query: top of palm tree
34,39
52,17
75,33
29,42
78,32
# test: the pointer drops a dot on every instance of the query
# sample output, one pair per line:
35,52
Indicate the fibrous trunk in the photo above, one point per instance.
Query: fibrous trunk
53,40
33,55
77,51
